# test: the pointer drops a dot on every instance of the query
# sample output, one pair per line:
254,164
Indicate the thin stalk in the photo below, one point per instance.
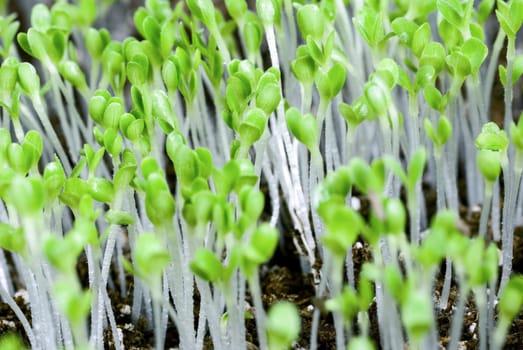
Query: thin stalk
158,344
208,304
511,54
481,304
457,318
507,244
49,130
254,286
487,202
336,287
495,215
491,299
282,136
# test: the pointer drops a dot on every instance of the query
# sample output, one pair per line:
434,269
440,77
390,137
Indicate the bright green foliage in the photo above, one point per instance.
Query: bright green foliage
395,216
97,105
73,191
516,134
252,126
310,21
342,227
23,157
206,265
492,138
510,16
367,178
330,82
259,249
360,343
11,342
303,127
370,25
489,164
269,11
480,263
203,10
54,178
12,239
346,303
378,97
159,203
236,8
8,29
28,79
415,168
27,194
170,74
484,10
511,300
73,74
335,186
252,202
202,203
420,38
100,189
74,303
433,55
434,247
476,52
253,33
416,314
150,256
268,94
492,146
96,41
452,11
8,80
61,253
138,69
443,131
304,66
283,325
93,158
404,29
119,217
395,283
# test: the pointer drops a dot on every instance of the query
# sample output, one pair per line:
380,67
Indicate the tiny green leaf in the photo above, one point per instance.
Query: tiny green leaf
283,325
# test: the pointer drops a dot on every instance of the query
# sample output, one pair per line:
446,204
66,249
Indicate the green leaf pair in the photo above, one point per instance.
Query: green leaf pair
259,249
367,178
234,175
342,227
283,325
303,127
510,16
329,82
304,67
159,202
369,23
492,144
23,157
150,258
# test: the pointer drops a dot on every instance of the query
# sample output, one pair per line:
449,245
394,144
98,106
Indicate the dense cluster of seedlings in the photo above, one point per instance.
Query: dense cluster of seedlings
324,102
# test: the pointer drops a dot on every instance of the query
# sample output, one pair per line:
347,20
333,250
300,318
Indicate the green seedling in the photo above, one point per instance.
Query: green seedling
206,265
283,325
510,305
260,248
